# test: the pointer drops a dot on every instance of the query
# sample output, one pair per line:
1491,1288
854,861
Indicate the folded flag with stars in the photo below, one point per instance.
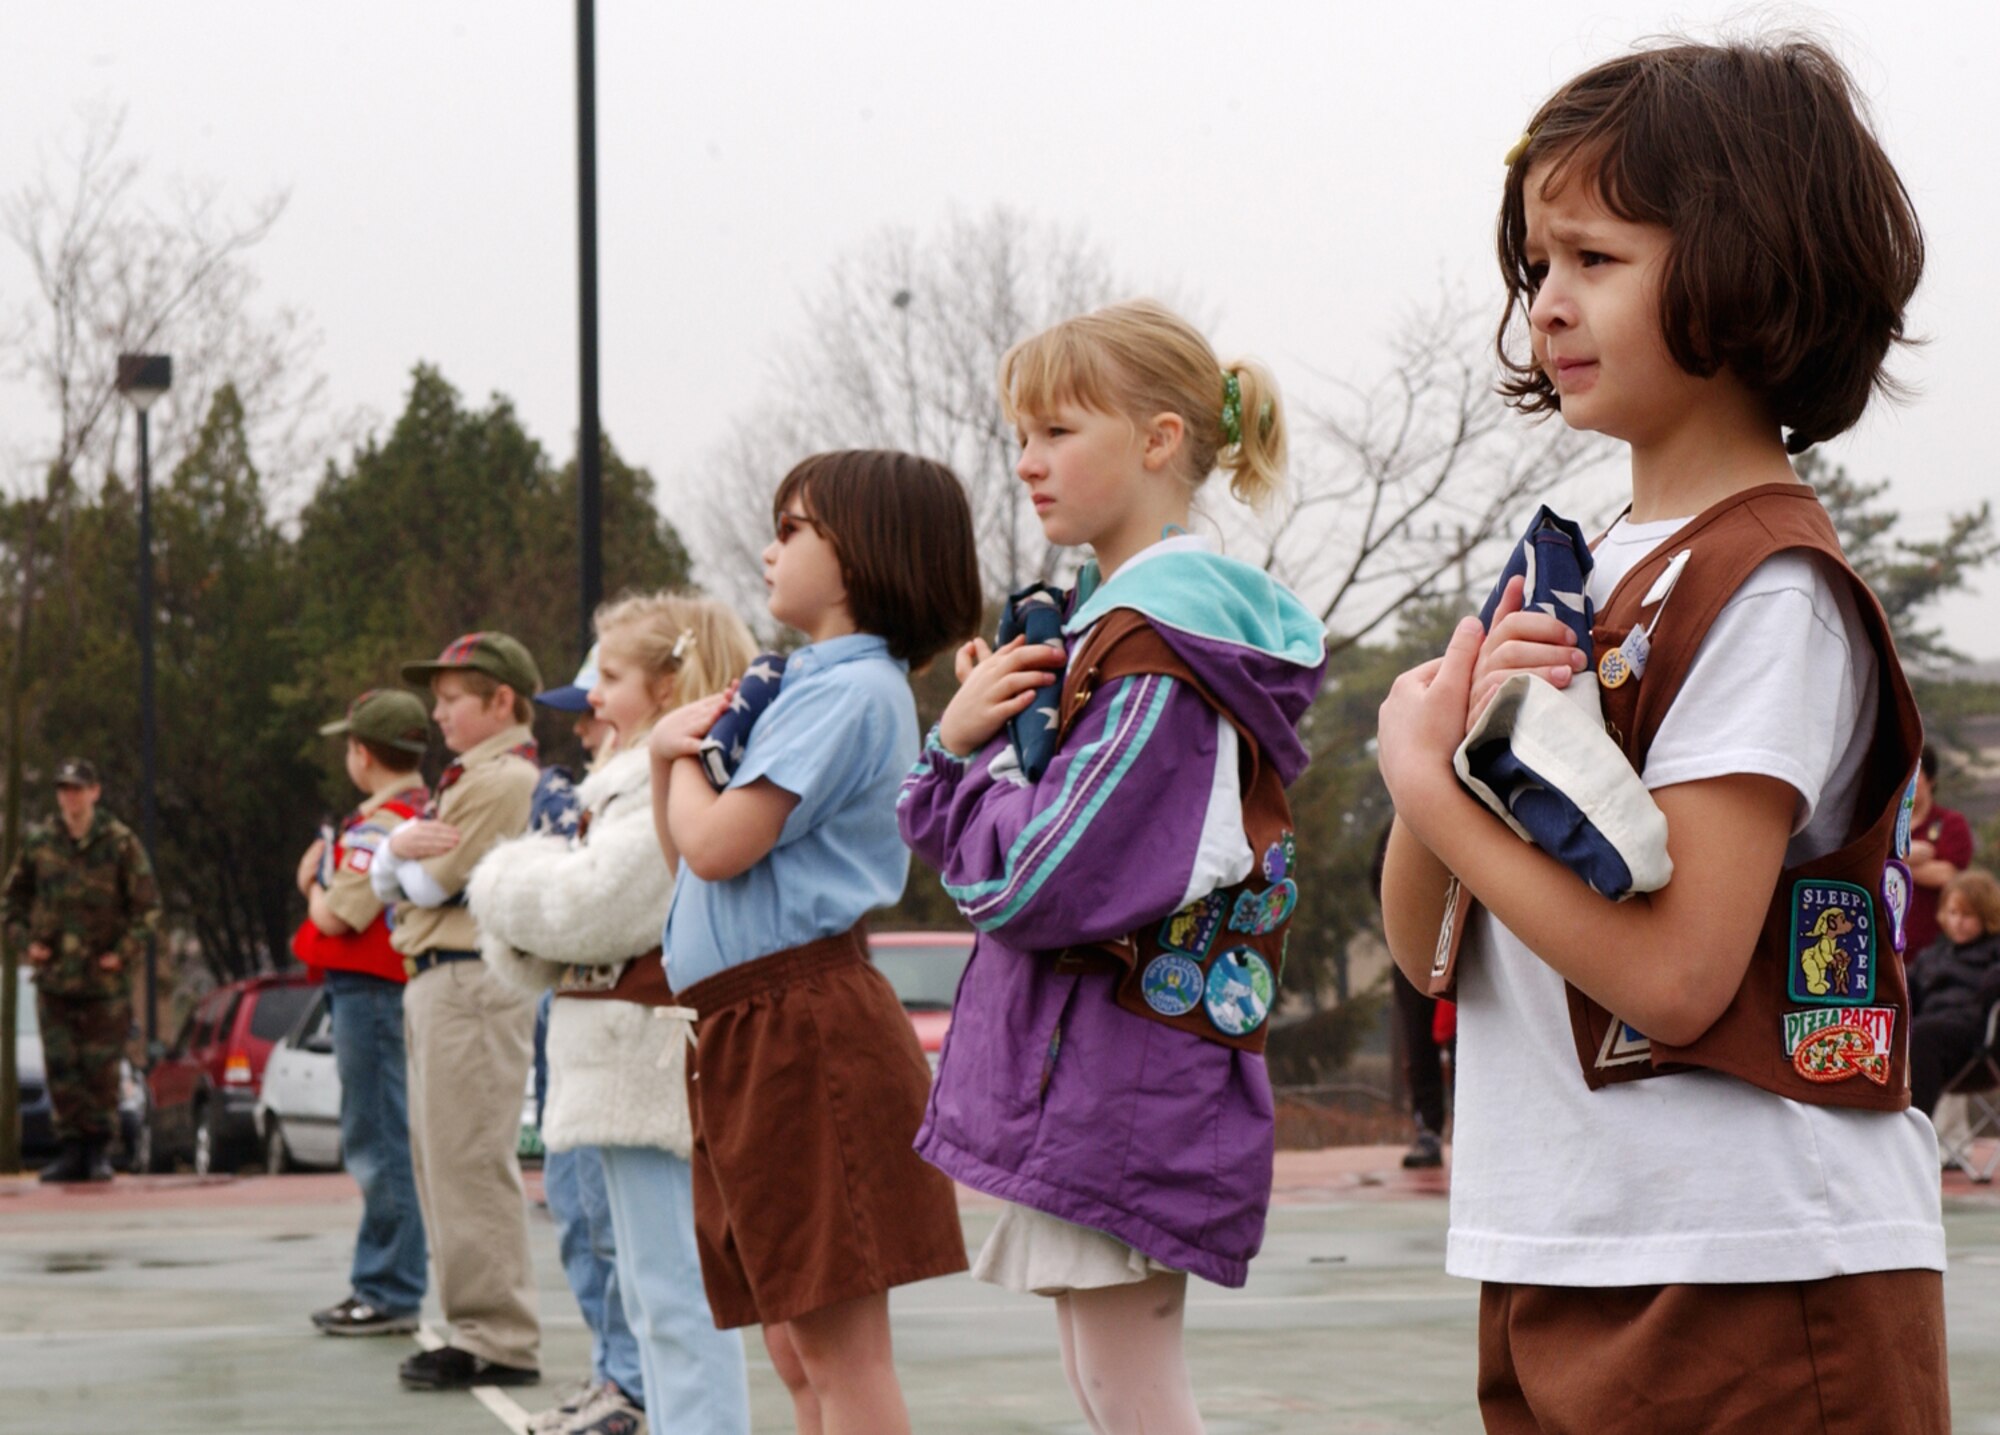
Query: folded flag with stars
722,749
1541,758
1036,613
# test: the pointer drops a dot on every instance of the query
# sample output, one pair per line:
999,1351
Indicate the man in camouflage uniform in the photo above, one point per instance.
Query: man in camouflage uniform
81,906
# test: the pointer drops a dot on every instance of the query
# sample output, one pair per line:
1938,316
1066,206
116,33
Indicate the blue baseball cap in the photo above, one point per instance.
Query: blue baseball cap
574,698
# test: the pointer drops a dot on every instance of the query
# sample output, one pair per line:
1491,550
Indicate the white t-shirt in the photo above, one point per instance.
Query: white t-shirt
1695,1177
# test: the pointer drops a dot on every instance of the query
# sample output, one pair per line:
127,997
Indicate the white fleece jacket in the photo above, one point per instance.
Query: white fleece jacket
615,1068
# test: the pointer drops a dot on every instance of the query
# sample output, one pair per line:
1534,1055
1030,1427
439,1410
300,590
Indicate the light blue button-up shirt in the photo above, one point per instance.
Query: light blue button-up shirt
840,736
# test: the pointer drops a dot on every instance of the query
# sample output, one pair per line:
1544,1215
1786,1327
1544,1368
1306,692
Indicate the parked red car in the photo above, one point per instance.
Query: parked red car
924,968
201,1092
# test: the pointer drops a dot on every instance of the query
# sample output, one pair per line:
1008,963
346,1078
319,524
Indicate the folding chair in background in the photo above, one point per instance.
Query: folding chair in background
1978,1081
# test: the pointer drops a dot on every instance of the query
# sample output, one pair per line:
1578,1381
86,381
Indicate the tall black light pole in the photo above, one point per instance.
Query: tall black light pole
142,378
589,468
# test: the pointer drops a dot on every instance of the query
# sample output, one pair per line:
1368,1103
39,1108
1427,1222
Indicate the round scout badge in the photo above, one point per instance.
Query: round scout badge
1171,985
1904,815
1239,991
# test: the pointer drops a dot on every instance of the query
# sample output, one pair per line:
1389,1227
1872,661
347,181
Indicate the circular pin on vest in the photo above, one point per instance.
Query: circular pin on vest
1240,988
1171,985
1614,670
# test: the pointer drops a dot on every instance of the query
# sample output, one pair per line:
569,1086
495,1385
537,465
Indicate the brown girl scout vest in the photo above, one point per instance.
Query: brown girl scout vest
1822,1015
1213,967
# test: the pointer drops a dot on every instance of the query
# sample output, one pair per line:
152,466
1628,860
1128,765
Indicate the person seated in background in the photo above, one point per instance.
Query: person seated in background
1953,984
1940,848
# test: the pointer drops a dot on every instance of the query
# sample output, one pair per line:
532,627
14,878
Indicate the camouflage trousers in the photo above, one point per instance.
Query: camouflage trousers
82,1039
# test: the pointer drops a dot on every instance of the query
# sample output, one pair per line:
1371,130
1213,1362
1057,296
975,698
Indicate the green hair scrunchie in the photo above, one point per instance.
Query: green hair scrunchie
1232,410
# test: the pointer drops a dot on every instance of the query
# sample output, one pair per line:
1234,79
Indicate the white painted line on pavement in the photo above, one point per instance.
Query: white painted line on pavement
504,1407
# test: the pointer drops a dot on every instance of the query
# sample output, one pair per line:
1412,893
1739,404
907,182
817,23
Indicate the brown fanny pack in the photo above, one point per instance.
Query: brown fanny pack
642,980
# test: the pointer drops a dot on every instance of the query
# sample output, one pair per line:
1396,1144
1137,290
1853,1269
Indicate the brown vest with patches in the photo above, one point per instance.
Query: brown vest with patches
1822,1016
1213,967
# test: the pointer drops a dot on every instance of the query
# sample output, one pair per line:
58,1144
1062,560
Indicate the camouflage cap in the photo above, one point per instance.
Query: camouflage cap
495,654
388,716
76,772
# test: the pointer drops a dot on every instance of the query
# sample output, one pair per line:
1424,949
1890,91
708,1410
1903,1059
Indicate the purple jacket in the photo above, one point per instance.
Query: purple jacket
1048,1093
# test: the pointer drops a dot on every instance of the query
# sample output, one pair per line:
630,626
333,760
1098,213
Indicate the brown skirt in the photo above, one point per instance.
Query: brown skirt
1850,1355
806,1088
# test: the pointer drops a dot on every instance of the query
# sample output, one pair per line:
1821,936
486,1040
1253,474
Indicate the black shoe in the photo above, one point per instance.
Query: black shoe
97,1158
1425,1152
449,1368
71,1167
321,1317
355,1316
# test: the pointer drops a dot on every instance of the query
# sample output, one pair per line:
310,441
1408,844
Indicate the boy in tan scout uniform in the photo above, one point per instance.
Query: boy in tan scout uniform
469,1033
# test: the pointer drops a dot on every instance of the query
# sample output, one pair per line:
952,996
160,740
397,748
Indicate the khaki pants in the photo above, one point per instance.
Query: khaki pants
470,1039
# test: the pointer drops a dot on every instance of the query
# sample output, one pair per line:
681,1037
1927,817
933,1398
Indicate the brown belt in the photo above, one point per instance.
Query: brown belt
739,984
643,980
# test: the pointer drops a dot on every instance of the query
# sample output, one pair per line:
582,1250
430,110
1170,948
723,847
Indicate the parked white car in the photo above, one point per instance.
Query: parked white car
298,1109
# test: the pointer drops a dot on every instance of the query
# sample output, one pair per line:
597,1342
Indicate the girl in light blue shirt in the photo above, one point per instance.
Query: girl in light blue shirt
806,1085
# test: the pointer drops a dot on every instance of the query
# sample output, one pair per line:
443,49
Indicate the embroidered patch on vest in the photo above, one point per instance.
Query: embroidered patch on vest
359,859
1827,1046
1265,911
1239,991
1904,815
1623,1045
1192,928
1833,944
1897,887
1280,857
1171,985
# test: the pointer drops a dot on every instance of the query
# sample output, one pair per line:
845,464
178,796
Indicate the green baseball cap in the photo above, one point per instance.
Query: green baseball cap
388,716
500,657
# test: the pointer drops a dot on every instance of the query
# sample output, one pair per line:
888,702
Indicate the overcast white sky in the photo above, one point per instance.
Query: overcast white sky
1306,170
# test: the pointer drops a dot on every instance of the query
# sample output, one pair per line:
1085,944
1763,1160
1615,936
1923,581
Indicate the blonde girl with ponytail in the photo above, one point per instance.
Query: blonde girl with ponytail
1105,800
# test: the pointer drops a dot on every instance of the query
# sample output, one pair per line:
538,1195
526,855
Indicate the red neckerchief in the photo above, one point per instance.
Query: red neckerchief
456,770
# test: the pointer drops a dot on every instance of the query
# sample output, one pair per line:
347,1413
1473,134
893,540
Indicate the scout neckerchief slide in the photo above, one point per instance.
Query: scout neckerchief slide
1036,613
1540,757
722,749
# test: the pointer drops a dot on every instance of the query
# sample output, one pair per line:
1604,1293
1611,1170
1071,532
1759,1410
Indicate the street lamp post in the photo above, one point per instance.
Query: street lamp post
142,378
589,466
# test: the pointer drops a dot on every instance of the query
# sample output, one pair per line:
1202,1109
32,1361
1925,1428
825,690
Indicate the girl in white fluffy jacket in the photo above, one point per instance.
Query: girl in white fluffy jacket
584,915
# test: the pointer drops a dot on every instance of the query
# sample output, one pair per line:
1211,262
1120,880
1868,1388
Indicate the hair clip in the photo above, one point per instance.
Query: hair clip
1520,148
683,643
1232,410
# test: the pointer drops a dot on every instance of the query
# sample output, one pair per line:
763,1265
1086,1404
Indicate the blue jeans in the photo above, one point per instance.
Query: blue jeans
389,1251
573,1183
695,1380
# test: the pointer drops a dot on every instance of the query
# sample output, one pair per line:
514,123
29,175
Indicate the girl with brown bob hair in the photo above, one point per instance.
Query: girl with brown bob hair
806,1082
1685,1168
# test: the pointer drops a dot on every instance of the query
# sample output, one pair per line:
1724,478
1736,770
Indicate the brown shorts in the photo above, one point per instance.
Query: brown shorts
806,1087
1850,1355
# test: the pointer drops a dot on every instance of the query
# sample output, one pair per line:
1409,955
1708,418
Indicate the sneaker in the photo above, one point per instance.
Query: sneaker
449,1368
332,1312
1425,1152
557,1417
355,1316
612,1413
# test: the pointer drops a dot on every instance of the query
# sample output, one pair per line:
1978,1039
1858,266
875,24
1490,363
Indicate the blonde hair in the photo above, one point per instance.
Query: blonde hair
702,643
1139,358
1979,890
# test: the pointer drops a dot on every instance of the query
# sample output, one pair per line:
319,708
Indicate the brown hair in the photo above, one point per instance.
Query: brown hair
484,685
902,531
1795,246
1140,358
701,642
1978,889
394,759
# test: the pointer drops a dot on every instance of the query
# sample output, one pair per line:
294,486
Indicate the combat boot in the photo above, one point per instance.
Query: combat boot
73,1165
97,1155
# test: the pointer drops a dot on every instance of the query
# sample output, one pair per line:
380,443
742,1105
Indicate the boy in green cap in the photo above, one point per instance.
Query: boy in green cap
470,1033
346,936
